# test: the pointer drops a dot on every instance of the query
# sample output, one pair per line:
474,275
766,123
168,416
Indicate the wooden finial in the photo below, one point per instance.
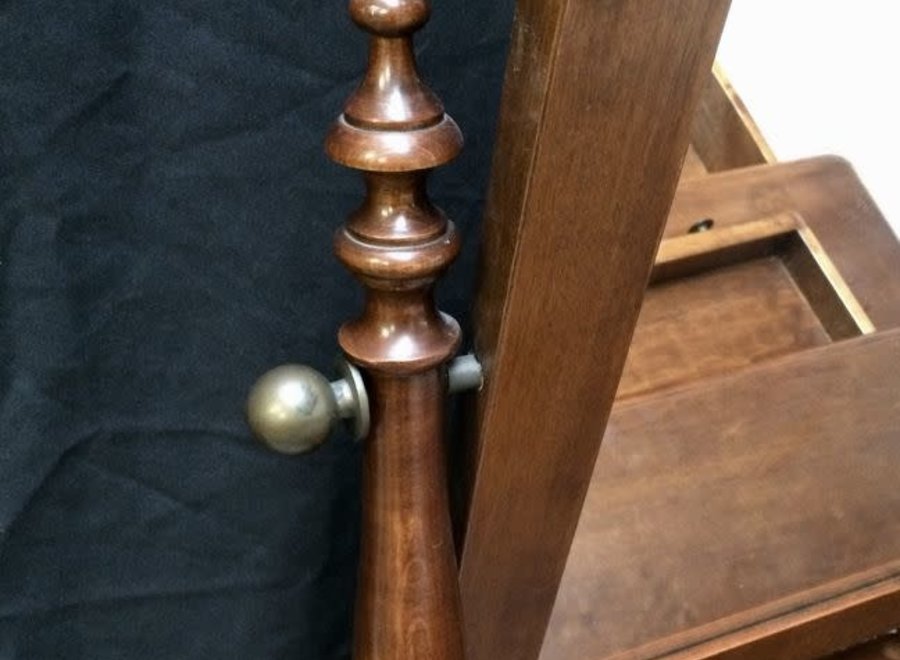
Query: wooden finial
393,122
396,244
394,129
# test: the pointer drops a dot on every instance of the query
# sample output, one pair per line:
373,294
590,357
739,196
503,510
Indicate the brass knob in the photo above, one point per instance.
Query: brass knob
292,408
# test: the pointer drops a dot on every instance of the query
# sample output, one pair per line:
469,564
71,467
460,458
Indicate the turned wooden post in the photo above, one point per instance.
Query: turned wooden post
396,244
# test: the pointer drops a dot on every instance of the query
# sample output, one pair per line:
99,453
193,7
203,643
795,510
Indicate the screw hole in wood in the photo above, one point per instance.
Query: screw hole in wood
701,225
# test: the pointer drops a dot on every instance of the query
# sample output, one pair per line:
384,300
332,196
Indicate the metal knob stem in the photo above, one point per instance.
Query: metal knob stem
464,373
293,408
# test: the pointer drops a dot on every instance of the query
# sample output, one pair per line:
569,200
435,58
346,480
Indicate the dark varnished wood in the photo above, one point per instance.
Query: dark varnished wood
883,648
752,515
408,601
397,244
594,127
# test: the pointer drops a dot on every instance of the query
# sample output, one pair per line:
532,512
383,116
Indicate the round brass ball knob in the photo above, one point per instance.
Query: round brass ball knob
293,408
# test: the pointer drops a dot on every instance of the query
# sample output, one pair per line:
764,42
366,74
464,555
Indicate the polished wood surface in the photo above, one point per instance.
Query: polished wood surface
736,295
883,648
717,246
595,121
744,504
829,196
751,515
397,244
408,600
785,235
717,322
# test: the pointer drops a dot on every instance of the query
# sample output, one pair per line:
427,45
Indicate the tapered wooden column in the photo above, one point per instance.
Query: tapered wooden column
396,244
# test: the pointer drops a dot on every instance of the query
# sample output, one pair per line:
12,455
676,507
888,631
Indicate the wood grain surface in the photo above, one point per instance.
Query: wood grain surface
724,135
717,322
827,193
397,244
735,295
595,121
694,166
749,515
883,648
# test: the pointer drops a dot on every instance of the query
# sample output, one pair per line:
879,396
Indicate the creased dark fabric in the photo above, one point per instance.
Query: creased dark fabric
166,214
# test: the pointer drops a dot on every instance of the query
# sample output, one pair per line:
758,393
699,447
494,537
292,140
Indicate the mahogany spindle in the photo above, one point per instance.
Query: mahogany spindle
396,244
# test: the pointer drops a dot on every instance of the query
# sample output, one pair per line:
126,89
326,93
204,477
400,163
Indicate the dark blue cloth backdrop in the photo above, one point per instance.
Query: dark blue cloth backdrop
166,214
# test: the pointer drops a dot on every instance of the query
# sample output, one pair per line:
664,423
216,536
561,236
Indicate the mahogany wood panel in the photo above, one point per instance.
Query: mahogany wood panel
595,121
716,322
724,135
693,166
883,648
824,287
785,235
733,296
407,604
826,192
697,252
754,515
397,244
